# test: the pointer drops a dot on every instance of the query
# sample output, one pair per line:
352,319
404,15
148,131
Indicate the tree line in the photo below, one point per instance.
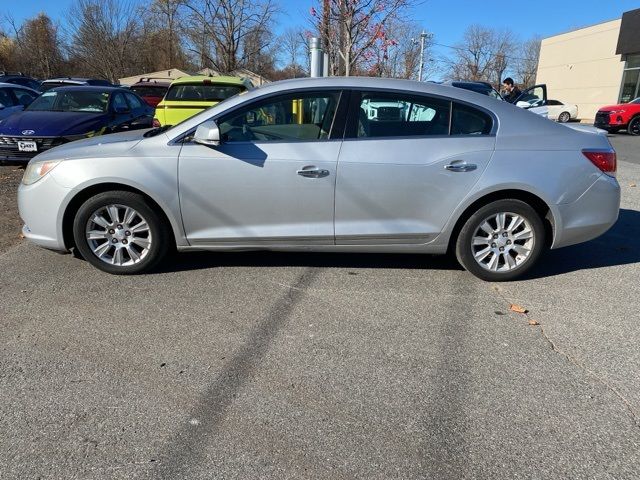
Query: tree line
118,38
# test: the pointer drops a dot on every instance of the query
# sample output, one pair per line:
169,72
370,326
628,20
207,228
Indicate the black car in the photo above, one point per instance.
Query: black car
19,79
485,88
65,114
73,81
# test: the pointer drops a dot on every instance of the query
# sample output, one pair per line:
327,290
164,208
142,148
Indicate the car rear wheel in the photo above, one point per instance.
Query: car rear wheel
634,126
501,241
564,117
119,233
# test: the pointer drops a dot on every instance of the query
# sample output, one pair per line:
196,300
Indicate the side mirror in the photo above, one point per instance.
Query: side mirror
522,104
207,133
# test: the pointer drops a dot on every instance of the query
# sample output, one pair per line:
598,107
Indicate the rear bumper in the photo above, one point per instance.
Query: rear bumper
589,216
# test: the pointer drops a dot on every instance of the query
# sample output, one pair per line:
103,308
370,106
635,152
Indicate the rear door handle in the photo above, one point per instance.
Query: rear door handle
311,171
461,167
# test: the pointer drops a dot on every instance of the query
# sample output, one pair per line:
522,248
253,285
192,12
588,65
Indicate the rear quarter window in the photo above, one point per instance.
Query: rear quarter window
467,120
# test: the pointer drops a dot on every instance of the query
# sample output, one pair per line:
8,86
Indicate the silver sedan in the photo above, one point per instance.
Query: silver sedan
330,164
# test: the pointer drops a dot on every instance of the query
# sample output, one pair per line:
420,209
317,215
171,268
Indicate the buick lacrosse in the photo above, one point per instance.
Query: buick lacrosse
329,164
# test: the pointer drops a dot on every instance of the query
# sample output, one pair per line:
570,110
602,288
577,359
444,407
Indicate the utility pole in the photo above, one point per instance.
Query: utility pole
423,37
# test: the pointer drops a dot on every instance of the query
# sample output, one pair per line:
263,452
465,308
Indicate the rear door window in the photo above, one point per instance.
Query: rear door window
400,115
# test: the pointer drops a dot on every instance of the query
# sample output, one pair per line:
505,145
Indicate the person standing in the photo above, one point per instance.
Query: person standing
512,92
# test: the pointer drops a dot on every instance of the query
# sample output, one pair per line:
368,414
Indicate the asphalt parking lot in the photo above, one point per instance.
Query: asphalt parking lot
266,365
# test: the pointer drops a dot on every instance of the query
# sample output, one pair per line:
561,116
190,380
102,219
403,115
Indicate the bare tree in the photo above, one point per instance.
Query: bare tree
293,50
218,29
527,65
105,37
37,45
474,56
504,47
166,23
353,30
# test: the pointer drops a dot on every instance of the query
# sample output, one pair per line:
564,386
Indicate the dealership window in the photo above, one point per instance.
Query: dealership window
631,79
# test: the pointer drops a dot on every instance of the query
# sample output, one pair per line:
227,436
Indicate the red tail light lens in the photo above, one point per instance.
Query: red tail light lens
156,123
605,160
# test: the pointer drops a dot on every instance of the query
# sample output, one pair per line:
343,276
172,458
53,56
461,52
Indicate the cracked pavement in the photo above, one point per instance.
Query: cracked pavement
268,365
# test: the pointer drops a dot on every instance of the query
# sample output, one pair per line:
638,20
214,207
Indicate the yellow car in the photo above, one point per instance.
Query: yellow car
190,95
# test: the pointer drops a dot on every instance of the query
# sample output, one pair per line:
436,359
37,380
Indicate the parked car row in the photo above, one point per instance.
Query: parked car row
68,109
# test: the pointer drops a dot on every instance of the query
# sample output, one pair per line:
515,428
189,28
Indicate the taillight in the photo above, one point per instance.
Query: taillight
605,160
156,123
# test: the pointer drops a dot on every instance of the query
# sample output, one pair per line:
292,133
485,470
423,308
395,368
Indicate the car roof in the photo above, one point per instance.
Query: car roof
73,79
151,83
87,88
228,80
14,85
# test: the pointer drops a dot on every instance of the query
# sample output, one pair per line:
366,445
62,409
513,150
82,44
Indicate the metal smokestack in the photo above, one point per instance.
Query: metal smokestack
316,53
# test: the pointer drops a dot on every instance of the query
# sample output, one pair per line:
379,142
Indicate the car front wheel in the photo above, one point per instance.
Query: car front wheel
634,126
501,240
119,233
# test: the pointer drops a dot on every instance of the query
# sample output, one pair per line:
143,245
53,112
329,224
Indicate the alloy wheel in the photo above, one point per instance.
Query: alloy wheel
118,235
502,242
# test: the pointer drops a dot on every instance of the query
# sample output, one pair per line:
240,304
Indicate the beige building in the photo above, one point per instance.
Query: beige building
169,75
593,66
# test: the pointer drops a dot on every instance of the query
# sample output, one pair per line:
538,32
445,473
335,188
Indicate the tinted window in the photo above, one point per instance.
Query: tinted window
25,97
288,117
5,98
66,100
119,103
393,115
469,121
150,91
554,103
133,101
199,92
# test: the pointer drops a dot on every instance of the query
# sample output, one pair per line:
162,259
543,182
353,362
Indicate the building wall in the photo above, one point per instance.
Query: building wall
170,75
582,67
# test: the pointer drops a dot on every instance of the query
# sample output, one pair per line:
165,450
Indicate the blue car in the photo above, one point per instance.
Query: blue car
65,114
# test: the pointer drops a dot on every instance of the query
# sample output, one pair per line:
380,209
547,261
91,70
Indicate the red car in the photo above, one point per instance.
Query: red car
151,90
620,117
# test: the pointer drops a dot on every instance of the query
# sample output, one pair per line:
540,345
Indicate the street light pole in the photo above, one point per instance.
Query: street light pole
423,37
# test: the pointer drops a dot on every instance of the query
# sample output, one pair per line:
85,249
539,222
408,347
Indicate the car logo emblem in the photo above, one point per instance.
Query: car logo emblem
28,132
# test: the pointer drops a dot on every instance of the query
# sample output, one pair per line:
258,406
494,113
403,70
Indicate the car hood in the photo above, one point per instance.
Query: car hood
613,107
52,124
113,145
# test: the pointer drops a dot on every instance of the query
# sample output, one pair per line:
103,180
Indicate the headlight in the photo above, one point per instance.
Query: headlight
35,171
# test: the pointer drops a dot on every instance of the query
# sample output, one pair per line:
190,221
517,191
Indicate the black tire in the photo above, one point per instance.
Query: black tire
564,117
465,251
158,232
634,126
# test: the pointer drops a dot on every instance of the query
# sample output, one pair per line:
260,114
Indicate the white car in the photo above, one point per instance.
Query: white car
562,112
14,98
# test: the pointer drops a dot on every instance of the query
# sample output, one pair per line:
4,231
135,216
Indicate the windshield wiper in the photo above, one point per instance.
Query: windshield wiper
155,131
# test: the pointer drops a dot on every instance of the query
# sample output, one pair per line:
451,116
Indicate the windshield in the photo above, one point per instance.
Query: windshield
637,100
202,93
71,101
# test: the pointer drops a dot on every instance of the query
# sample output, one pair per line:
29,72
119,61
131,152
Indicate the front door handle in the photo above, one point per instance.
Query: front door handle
460,167
311,171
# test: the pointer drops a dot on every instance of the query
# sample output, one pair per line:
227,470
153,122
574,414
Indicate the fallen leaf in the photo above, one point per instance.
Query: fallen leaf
518,308
20,235
533,322
632,184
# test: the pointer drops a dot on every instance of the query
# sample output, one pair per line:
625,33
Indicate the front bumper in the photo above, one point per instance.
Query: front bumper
607,120
591,215
41,207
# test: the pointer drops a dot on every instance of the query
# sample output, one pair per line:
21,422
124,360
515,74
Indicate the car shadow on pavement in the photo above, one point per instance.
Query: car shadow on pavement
618,246
203,260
